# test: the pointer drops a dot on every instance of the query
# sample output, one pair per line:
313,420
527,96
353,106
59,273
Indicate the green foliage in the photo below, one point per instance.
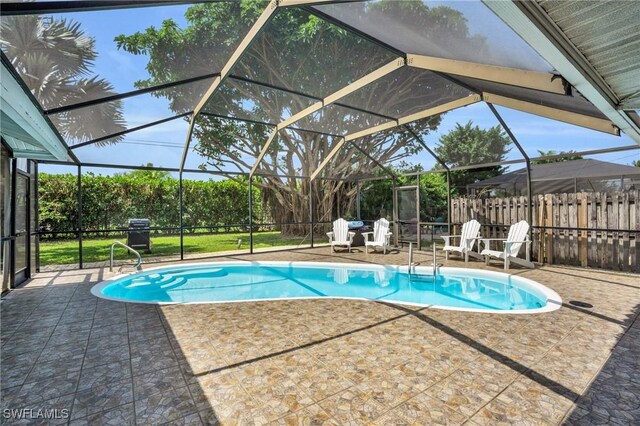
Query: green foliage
467,145
109,201
433,196
376,199
635,163
556,160
57,202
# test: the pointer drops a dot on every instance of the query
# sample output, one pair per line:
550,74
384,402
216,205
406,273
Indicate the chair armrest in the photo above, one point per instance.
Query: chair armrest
366,235
447,238
486,242
469,242
330,235
351,234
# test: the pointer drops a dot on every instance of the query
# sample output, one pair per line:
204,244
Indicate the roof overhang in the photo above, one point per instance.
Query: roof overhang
531,22
24,127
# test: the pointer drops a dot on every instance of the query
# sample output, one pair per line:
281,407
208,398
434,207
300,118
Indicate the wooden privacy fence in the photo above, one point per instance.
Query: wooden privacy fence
594,229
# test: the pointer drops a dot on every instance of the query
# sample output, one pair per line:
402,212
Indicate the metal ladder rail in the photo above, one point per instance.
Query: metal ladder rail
412,264
118,243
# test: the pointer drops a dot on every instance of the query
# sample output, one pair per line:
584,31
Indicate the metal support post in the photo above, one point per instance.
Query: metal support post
358,186
395,211
36,201
181,210
251,214
311,215
449,202
12,224
79,195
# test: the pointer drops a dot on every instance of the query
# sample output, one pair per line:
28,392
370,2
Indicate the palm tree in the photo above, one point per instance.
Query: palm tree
55,60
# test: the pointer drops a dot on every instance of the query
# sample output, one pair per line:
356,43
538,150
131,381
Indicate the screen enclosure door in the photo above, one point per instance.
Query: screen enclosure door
406,203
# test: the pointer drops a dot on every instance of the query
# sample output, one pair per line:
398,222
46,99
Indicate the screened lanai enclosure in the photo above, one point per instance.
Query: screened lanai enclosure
238,126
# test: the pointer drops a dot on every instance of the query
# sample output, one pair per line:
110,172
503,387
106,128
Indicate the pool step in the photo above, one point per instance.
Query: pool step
158,280
419,277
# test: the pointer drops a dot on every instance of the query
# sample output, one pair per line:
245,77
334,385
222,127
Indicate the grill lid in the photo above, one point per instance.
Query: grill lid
139,223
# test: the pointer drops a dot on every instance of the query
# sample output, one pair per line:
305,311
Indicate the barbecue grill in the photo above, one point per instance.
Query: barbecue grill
138,234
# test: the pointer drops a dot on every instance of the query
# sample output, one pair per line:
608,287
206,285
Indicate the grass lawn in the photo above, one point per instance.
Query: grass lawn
97,250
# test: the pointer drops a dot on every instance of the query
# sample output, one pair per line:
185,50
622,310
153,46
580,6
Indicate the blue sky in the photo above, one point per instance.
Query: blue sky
162,145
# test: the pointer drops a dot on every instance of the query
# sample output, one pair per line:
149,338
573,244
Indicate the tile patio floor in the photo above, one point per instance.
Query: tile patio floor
318,362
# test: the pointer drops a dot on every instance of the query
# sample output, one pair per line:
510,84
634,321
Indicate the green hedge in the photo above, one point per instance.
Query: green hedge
109,201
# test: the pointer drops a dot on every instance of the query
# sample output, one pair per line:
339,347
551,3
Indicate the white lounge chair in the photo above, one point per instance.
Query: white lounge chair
518,235
381,236
341,236
468,237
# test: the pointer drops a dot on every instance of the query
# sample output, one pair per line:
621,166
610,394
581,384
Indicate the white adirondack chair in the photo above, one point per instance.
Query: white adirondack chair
381,236
341,236
468,237
518,235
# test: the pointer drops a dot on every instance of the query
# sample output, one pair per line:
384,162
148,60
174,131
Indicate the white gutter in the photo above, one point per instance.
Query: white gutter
23,126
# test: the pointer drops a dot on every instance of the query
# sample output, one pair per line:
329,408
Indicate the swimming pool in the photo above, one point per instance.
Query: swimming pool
238,281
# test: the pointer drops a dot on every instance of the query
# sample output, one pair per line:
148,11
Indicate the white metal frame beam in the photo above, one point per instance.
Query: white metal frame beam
289,3
514,77
260,23
334,97
574,118
257,26
391,124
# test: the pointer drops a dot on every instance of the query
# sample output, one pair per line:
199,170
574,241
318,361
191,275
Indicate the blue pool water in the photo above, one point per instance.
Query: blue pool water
454,288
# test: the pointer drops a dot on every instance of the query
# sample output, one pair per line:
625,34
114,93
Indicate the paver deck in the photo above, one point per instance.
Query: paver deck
325,361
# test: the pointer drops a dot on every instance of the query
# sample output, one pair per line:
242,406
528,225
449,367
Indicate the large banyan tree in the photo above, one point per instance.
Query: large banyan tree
314,58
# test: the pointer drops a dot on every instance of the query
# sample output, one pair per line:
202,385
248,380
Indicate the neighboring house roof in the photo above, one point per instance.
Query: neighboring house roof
568,170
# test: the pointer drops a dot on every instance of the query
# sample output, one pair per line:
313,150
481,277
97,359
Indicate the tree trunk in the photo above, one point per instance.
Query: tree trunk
290,209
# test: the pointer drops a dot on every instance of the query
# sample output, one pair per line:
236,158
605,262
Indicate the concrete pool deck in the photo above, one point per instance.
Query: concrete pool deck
322,361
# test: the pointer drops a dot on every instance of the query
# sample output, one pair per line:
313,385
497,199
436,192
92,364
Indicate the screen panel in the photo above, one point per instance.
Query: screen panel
339,120
58,216
216,214
404,92
226,145
245,100
539,135
464,137
98,53
460,30
300,52
282,220
104,119
160,146
111,197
